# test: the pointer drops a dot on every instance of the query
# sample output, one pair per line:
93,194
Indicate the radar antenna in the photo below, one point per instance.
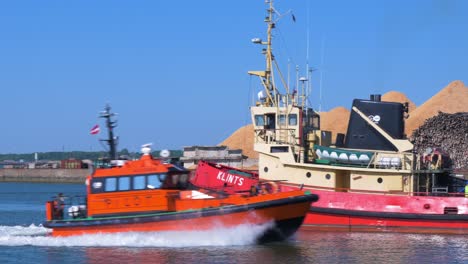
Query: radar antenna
111,140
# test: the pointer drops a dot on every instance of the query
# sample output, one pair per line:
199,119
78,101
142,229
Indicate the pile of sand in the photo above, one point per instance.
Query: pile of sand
336,120
451,99
243,138
394,96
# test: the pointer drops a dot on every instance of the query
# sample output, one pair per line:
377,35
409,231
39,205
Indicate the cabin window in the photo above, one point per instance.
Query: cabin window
97,186
279,149
270,121
124,183
154,182
111,185
175,179
312,120
183,178
282,120
139,182
183,181
292,120
315,122
259,120
162,177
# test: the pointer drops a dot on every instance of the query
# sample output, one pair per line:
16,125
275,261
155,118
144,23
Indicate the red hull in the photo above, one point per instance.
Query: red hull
379,212
386,213
336,222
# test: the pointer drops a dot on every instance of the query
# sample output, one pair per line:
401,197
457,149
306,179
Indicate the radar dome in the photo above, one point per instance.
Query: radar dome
165,153
146,149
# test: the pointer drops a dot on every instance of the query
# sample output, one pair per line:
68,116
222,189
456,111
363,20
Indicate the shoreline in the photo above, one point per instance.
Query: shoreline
44,175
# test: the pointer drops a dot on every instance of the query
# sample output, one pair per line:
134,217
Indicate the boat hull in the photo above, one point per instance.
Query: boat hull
346,220
287,214
341,211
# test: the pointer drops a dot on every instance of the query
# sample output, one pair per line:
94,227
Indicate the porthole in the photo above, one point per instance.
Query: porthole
308,175
379,180
327,176
265,169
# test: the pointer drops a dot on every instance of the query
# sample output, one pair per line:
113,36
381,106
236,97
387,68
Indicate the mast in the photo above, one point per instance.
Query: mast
267,75
269,55
111,141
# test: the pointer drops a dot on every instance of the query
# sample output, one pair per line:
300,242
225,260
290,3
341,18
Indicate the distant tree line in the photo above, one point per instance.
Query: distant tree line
79,155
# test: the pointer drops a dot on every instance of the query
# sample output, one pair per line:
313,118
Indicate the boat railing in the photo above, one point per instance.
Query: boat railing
383,160
68,207
376,159
391,160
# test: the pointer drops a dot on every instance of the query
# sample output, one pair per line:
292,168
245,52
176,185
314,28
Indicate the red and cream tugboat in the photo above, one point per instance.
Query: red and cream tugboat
148,195
368,179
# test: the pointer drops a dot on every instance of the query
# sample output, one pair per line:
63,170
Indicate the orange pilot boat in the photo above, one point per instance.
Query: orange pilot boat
148,195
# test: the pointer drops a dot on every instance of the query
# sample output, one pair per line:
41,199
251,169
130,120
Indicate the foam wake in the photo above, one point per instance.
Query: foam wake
39,236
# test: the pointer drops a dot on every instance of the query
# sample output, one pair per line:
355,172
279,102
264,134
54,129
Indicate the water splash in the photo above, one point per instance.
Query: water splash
32,230
38,236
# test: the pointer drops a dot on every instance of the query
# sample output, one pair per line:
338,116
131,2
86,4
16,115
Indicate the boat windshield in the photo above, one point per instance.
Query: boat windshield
176,181
128,183
140,182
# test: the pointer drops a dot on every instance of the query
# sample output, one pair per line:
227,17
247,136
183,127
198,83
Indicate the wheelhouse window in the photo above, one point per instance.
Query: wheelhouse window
270,121
124,183
282,120
259,120
162,177
139,182
292,120
97,186
315,122
312,120
176,181
154,181
110,185
135,183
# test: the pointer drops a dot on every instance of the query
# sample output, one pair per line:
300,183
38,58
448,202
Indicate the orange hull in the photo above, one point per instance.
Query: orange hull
286,210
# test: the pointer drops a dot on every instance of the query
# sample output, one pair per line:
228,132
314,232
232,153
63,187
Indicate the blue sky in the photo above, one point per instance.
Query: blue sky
176,71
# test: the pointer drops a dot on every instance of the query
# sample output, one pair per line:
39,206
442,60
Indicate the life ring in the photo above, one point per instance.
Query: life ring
271,187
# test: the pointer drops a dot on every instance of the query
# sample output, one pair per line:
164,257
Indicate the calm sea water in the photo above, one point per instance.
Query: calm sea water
24,240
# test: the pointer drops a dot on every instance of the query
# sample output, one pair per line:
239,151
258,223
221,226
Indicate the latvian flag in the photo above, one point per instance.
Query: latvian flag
95,130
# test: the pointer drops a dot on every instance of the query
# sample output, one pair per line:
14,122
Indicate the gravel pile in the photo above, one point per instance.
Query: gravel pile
448,132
